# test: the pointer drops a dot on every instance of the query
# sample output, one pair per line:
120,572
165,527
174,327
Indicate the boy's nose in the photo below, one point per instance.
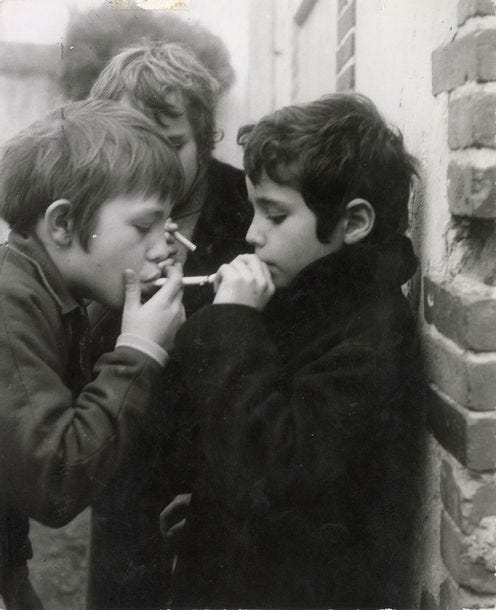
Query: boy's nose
159,249
254,236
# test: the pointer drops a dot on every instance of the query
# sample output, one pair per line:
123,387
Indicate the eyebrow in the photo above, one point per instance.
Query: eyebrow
154,213
268,201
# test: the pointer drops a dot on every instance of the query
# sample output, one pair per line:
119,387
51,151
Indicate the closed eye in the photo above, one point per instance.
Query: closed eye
276,218
143,229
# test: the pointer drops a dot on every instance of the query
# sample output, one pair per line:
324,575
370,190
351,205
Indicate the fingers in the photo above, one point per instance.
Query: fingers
170,226
132,291
173,287
168,261
175,529
169,524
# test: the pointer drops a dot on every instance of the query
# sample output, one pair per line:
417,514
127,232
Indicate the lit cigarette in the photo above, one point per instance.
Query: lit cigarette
185,241
193,280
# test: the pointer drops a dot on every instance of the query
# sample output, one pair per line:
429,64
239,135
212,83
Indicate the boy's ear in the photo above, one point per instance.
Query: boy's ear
59,222
359,219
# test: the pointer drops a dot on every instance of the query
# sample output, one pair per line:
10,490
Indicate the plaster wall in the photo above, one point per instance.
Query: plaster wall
394,42
290,62
316,52
24,100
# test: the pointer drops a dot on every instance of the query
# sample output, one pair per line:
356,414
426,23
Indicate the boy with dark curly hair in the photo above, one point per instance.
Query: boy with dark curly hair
303,373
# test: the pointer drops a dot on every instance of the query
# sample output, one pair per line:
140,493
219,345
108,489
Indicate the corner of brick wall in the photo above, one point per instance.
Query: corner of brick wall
460,323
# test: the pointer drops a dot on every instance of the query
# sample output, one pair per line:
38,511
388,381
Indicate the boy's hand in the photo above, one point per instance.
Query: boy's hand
169,229
173,518
244,281
161,316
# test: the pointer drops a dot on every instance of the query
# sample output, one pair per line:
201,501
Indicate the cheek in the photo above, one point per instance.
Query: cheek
189,161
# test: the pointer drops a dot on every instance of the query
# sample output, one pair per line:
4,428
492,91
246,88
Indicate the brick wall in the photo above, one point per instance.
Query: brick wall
459,309
345,56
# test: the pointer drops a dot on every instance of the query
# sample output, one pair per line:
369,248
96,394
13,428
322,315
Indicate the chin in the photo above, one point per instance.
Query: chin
112,301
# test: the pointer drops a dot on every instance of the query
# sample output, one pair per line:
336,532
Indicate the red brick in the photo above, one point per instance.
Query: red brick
470,58
346,20
468,436
468,378
345,51
474,8
467,498
472,121
463,310
469,559
346,80
472,190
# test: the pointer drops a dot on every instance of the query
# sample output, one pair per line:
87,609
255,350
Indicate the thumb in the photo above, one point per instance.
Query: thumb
132,291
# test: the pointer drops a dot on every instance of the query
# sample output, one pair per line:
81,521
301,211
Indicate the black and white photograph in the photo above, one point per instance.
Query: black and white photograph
247,304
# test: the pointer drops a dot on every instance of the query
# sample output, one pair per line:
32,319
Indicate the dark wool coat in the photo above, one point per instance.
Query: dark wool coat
308,426
130,564
60,435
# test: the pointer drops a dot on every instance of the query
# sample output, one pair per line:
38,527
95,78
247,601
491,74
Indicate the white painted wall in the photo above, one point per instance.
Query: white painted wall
44,22
394,42
229,19
317,43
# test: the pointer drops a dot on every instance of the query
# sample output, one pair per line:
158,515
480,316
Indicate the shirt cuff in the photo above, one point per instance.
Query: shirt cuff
148,347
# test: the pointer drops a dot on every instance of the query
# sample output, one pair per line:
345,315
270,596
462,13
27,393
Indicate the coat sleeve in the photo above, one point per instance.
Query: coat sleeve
56,448
272,440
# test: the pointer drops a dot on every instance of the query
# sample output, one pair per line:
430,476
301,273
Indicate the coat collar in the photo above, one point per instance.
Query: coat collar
390,263
31,249
349,275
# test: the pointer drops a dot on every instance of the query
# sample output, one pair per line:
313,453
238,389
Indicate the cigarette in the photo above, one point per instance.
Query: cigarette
193,280
185,241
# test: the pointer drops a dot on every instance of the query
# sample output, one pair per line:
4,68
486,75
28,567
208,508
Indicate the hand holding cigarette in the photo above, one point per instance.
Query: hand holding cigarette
244,281
171,228
185,241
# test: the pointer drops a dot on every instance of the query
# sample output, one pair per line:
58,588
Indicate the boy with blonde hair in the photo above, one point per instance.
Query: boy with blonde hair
86,192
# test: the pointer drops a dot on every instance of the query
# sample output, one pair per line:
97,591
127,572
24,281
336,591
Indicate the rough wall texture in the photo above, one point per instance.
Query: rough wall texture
459,309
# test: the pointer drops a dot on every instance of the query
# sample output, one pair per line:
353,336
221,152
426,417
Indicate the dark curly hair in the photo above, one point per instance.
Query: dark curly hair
333,150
